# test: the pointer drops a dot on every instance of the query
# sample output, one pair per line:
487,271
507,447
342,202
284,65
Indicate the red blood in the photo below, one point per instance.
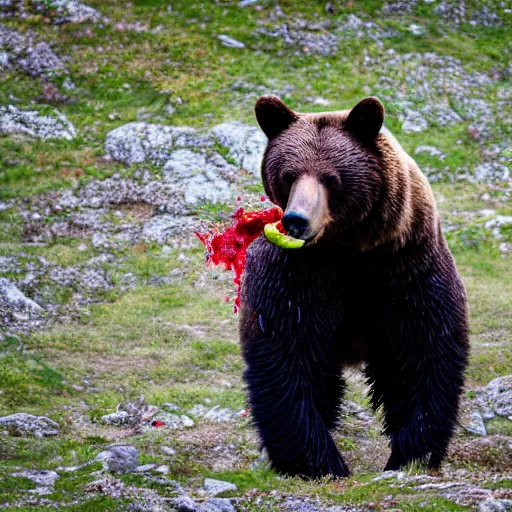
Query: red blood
158,423
228,248
263,198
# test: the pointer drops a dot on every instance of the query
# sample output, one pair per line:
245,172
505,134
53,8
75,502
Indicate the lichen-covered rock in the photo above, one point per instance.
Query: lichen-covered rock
246,144
32,57
215,414
67,11
475,424
12,297
44,478
214,487
32,123
27,425
144,142
120,458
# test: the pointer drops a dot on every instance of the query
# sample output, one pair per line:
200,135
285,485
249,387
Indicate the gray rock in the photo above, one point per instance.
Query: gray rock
217,505
215,414
214,487
10,295
141,142
430,150
230,42
68,11
33,58
119,418
145,468
121,458
499,395
27,425
413,121
161,228
30,122
185,504
43,478
246,144
495,505
475,424
173,421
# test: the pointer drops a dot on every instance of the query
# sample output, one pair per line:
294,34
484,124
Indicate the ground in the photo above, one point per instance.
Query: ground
114,335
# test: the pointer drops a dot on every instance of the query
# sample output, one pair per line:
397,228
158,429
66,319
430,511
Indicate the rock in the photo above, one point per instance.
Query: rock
185,504
26,425
215,414
141,142
172,421
144,468
246,144
499,395
121,458
475,424
230,42
168,451
399,475
214,487
43,478
117,419
494,505
430,150
33,58
161,228
217,505
12,297
67,11
413,121
30,122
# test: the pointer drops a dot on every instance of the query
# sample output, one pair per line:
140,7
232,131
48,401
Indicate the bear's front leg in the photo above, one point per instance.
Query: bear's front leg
416,368
287,395
288,321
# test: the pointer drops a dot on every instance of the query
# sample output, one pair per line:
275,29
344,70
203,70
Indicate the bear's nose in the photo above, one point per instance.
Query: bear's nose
295,224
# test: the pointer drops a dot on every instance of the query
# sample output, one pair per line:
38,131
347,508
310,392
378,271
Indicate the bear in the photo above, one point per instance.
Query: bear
374,285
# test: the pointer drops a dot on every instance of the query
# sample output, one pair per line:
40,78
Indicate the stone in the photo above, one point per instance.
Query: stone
33,124
217,505
475,424
120,458
139,142
162,228
119,418
13,297
185,504
214,487
230,42
215,414
499,395
43,478
246,144
31,57
145,468
495,505
27,425
68,11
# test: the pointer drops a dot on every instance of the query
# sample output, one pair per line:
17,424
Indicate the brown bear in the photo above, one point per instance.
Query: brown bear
375,283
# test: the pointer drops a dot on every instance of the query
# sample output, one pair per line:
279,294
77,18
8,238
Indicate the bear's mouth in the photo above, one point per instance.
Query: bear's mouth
307,212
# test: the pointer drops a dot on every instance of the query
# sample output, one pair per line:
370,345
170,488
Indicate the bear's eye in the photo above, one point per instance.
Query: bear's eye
331,180
288,178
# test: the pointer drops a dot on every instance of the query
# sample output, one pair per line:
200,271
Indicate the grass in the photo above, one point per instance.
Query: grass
177,342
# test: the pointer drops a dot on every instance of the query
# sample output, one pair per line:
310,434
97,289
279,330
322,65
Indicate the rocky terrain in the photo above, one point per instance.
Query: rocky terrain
127,126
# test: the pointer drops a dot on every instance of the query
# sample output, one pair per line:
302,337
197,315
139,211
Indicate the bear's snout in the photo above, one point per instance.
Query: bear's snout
307,212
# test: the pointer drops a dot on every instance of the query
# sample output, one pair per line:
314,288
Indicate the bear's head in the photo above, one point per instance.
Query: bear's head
323,169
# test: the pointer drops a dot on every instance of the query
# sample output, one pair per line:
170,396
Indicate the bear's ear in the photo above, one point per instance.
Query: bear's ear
366,118
273,115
